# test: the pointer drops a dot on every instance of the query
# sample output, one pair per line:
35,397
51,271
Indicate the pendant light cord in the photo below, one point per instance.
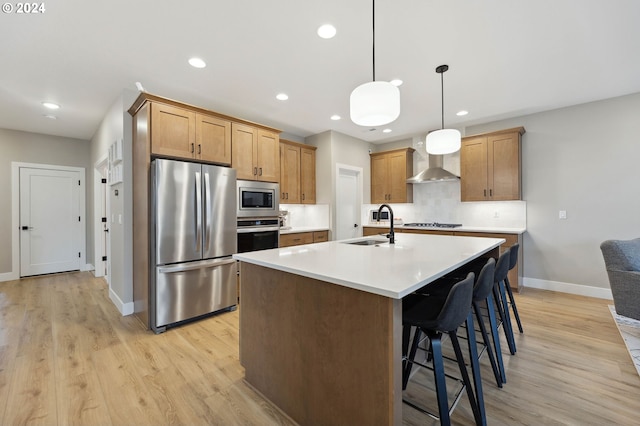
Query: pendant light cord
373,25
442,96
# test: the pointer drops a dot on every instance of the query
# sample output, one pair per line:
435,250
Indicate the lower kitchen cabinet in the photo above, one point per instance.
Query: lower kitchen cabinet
515,275
299,238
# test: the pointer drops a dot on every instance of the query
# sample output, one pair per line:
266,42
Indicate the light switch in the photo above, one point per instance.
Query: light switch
562,214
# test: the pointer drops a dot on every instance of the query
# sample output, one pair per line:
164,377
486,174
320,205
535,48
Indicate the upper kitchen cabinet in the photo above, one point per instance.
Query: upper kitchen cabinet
255,153
297,173
389,173
490,166
182,133
213,139
173,131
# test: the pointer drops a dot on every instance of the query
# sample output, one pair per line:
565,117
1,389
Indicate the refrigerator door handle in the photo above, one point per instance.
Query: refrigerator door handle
194,265
207,210
198,212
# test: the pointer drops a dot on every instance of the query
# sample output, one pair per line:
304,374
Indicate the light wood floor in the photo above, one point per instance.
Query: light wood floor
68,357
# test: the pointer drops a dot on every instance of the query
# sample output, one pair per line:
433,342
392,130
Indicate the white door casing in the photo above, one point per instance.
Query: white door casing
48,199
348,202
101,220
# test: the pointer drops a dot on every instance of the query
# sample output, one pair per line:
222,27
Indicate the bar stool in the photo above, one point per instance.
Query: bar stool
436,316
482,292
513,260
500,297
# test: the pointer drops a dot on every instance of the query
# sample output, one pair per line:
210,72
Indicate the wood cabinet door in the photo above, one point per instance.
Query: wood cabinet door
504,167
289,174
474,185
213,139
308,175
399,190
268,156
173,131
379,179
243,149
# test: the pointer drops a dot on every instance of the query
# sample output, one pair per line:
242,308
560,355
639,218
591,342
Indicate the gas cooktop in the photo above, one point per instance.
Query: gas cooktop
433,225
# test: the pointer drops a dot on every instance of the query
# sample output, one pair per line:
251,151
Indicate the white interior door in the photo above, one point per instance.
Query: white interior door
49,221
348,203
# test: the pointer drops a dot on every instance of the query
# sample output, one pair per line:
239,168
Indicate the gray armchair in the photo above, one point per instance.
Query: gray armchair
622,260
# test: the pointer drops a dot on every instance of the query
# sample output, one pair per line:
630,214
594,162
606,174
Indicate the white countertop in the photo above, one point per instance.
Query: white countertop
391,270
486,229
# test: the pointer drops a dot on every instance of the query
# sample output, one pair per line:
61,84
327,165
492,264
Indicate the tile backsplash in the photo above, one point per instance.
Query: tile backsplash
440,202
307,215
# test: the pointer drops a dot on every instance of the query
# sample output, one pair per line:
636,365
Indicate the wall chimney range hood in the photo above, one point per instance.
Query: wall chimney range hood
435,172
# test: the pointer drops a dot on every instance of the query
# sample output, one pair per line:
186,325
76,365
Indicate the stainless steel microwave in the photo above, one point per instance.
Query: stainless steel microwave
258,199
373,216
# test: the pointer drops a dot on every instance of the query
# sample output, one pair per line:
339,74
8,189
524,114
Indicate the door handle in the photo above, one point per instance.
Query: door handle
27,228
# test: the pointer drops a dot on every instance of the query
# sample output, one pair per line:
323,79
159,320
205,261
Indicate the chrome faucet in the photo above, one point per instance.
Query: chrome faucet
391,233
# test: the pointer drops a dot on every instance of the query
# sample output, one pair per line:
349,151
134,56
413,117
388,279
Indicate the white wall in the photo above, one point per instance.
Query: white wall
337,148
582,159
117,125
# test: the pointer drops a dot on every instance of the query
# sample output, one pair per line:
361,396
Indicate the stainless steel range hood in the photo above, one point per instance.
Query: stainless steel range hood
435,172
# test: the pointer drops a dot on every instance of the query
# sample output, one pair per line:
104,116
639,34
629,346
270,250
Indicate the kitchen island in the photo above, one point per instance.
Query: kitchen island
321,324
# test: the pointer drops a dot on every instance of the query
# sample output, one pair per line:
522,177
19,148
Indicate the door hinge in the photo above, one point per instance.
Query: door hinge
103,180
78,254
104,220
78,183
104,258
78,218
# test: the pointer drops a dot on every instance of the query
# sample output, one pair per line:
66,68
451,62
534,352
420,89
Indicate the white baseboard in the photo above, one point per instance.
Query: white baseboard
582,290
87,267
9,276
123,308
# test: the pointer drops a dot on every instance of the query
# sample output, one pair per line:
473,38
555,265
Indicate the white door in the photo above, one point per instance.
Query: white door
348,203
49,221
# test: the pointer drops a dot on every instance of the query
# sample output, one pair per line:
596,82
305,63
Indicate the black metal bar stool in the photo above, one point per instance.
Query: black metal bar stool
482,304
500,298
513,260
436,316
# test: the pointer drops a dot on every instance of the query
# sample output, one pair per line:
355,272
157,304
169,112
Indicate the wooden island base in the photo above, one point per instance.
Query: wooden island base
323,353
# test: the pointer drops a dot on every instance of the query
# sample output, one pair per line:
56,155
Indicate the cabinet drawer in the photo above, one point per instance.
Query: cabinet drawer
288,240
320,236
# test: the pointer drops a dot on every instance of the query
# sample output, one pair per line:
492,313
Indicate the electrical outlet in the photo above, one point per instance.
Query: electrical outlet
562,214
496,214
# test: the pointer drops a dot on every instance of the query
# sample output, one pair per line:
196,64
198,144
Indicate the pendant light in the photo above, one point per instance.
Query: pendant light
443,141
378,102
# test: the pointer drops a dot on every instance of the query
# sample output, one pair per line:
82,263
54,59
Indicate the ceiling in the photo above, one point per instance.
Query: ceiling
507,58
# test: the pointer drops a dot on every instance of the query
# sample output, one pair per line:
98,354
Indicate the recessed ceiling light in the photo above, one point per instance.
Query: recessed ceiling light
335,117
197,63
282,96
52,117
387,131
327,31
461,113
50,105
396,82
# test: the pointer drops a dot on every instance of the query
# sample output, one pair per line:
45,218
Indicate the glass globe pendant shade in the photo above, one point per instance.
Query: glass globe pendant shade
445,141
375,103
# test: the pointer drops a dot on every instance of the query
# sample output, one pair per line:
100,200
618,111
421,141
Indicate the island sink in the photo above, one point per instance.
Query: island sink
367,242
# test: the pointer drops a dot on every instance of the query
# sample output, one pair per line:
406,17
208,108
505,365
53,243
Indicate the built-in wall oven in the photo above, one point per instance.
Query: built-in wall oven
257,215
258,234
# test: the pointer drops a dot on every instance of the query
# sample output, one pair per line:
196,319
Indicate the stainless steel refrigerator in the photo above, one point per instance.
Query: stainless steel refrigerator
193,236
